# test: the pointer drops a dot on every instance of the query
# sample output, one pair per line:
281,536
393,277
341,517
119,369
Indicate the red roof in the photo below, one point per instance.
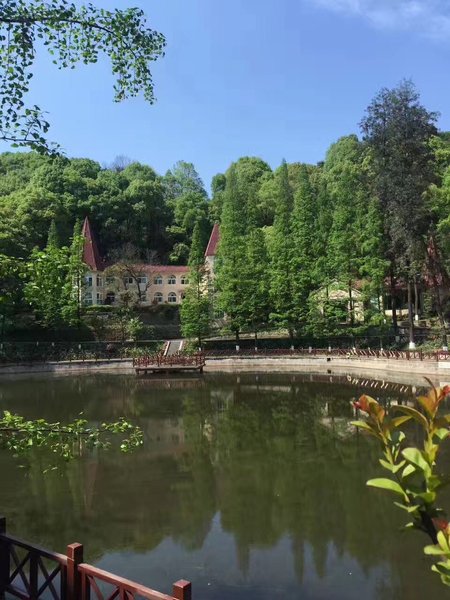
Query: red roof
164,268
211,249
91,255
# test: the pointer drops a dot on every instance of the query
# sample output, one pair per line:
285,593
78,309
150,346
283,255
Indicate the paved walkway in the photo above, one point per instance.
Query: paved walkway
173,347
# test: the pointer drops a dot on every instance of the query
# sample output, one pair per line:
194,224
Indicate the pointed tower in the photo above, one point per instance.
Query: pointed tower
211,249
91,255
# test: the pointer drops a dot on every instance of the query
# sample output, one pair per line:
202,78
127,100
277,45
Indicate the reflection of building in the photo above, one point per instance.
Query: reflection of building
164,436
150,284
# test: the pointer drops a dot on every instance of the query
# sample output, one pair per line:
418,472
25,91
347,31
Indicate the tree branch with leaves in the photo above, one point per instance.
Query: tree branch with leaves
66,441
71,35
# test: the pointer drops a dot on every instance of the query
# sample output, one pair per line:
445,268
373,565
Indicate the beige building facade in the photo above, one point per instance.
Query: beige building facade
141,283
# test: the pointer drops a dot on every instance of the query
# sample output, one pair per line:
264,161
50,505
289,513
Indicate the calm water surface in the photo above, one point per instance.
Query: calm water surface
252,487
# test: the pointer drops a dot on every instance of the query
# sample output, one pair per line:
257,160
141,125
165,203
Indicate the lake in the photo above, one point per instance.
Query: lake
250,486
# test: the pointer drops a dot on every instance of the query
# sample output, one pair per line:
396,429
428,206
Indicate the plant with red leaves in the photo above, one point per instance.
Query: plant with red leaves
413,471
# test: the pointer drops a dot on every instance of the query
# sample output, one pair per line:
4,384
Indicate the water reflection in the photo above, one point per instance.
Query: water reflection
251,486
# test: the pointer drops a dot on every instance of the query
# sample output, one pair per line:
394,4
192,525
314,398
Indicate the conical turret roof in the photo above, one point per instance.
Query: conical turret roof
91,254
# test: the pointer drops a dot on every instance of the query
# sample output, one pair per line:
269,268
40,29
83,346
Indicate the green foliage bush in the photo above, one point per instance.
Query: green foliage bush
413,472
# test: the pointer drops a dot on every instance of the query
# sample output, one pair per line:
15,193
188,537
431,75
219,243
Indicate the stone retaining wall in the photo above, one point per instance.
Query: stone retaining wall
75,366
373,367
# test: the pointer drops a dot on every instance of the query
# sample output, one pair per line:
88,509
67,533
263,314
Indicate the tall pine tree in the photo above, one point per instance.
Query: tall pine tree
398,131
53,240
282,266
256,306
344,187
231,259
303,234
196,307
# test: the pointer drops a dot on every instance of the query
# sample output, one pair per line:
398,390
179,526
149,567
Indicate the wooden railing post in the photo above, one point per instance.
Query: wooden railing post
34,575
182,590
4,560
74,558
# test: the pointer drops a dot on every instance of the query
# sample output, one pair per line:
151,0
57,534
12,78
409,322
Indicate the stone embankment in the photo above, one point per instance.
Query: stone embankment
371,366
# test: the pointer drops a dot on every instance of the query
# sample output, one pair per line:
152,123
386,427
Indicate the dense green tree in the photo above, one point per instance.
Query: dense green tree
231,260
344,186
53,235
72,34
181,179
187,199
10,290
256,304
438,246
125,207
218,185
321,271
282,267
195,310
75,279
303,234
398,131
267,195
45,289
251,172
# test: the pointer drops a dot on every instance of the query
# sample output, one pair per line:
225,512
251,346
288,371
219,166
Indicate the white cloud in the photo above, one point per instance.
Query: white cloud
428,17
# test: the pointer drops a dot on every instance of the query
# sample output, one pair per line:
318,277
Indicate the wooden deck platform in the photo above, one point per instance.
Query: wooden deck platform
175,363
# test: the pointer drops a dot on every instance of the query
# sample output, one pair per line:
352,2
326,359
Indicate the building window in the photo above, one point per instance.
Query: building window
142,279
158,298
172,298
157,280
110,298
88,298
99,298
182,295
128,280
184,280
171,280
88,280
99,281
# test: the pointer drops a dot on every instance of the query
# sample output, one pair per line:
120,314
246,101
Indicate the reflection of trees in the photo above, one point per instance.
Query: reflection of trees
266,452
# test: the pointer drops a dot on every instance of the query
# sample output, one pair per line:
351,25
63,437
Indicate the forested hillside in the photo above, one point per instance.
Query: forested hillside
374,216
127,203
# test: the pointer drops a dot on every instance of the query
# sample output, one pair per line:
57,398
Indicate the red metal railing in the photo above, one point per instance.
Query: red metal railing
437,356
25,573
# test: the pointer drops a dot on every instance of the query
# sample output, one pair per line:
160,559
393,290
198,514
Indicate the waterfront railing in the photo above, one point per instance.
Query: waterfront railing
30,572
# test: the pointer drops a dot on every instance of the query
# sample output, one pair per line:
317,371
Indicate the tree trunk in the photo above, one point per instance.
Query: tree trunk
440,312
394,306
416,300
412,344
350,303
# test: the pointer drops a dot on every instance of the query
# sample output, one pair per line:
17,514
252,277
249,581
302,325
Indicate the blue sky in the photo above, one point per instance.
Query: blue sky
269,78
